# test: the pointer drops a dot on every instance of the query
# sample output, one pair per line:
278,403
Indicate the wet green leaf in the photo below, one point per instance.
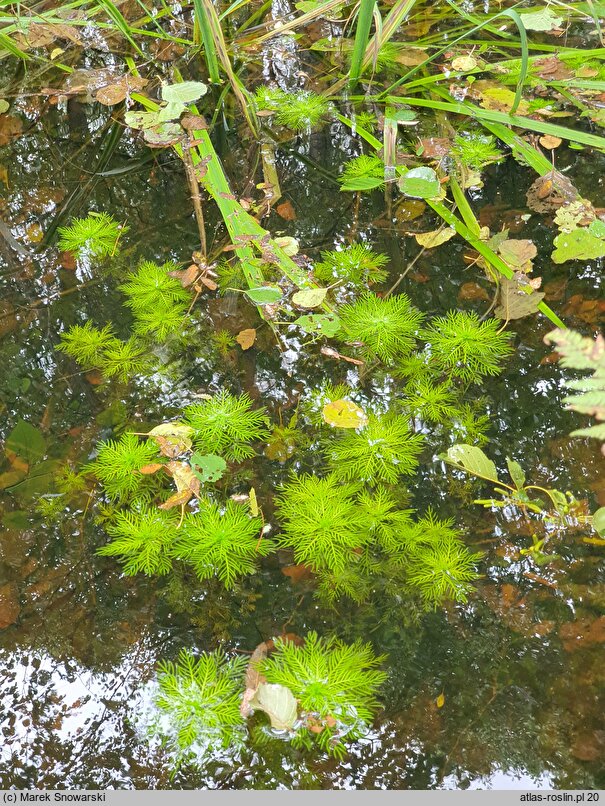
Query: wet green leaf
4,106
420,183
324,324
165,134
344,414
598,520
209,467
185,92
517,473
27,442
597,228
577,245
471,459
264,295
363,183
541,20
39,480
141,120
309,297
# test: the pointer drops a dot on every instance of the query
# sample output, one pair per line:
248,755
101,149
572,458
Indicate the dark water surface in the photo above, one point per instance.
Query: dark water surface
520,666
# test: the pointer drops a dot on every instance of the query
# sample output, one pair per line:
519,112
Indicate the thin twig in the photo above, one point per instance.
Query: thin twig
196,198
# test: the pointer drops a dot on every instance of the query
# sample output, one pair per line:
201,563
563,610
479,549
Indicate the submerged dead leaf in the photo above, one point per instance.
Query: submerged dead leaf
297,573
10,127
582,633
429,240
286,211
473,292
246,338
549,192
172,438
515,302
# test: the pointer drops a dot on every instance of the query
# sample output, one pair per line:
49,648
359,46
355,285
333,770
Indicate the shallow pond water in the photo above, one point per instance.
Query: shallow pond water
520,667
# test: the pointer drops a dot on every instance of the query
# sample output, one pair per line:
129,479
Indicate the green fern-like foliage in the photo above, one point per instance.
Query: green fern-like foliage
224,543
124,359
465,347
436,561
363,172
335,685
357,264
226,425
383,450
86,344
97,235
470,424
321,521
118,464
158,302
434,402
387,523
583,353
443,571
475,151
299,111
386,327
200,701
143,541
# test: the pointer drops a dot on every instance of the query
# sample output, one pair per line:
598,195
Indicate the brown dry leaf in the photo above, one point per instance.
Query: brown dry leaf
297,573
411,57
429,240
176,500
550,142
518,254
253,678
344,414
286,211
472,292
10,127
94,377
149,470
552,68
118,91
187,276
172,438
516,303
191,122
590,311
34,232
165,51
549,192
582,633
9,604
246,338
330,353
435,147
68,261
208,283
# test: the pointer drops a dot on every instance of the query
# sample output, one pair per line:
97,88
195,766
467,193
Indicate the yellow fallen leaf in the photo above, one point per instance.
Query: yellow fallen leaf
56,52
464,63
344,414
246,338
440,701
253,502
434,238
550,142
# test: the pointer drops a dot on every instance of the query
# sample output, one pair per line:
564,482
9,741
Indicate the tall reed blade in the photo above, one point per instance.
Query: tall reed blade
202,30
362,35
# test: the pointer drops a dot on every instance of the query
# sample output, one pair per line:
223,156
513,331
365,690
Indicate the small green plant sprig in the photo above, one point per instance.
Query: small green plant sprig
365,172
383,450
335,685
299,111
465,347
227,424
387,328
434,402
356,264
98,348
223,542
158,301
475,151
97,235
118,467
199,700
143,540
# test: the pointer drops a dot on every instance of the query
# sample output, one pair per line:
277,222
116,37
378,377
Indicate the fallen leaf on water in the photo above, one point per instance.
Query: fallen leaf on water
516,303
472,291
550,142
297,573
434,238
344,414
464,63
518,253
440,701
10,127
309,297
583,632
246,338
172,438
278,703
434,148
286,211
253,502
149,470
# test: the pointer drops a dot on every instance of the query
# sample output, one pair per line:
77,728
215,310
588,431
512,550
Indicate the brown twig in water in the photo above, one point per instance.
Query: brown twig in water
196,198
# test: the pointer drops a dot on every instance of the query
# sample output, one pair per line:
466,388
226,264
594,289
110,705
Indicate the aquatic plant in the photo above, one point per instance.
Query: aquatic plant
86,343
334,683
123,359
365,172
200,702
356,264
475,151
442,569
434,402
386,521
386,327
321,521
97,235
465,347
223,542
143,540
383,450
158,301
226,425
117,466
299,111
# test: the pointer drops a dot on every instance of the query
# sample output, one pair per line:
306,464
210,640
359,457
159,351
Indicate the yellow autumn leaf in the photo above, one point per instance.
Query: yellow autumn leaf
434,238
253,502
344,414
246,338
440,700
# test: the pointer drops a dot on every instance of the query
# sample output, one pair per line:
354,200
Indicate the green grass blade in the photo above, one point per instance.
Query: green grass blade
524,57
362,35
203,29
